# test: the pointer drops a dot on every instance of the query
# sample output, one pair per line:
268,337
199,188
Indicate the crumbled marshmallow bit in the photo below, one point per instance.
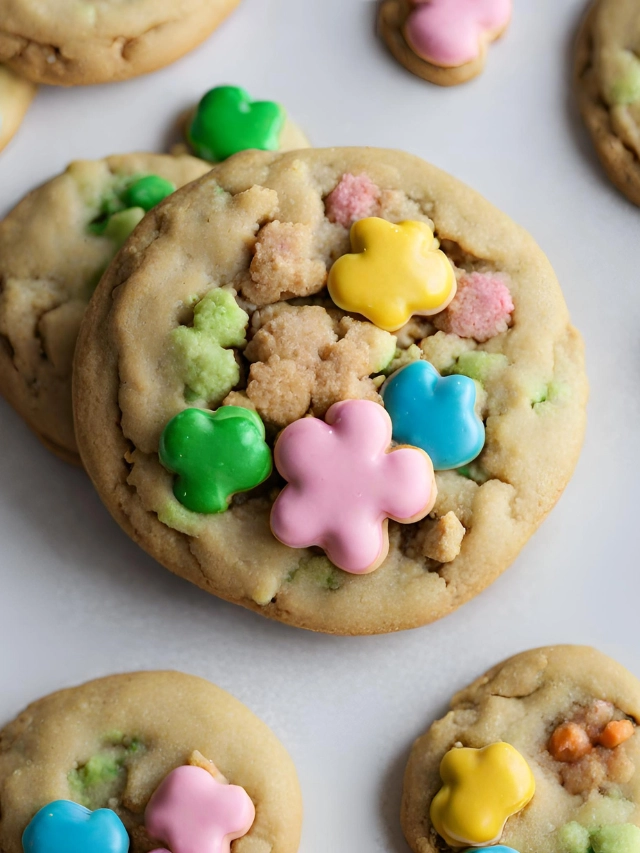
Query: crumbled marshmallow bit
355,197
481,308
305,359
283,265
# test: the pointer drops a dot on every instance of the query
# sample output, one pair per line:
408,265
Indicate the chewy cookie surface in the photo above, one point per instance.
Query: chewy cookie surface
71,42
252,244
54,246
572,715
111,743
607,81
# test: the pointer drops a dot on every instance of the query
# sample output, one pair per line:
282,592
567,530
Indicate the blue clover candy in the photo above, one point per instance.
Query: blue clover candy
435,413
66,827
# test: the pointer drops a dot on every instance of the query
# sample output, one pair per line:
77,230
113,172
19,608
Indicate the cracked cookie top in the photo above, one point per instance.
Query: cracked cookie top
111,743
220,301
74,42
572,714
54,246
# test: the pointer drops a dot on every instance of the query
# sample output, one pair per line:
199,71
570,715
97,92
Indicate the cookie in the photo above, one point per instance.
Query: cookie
543,751
15,96
170,756
54,246
607,84
227,121
84,44
235,284
443,41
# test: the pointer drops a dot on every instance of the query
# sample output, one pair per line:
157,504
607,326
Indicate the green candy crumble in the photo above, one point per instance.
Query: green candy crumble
120,225
126,204
479,365
147,192
626,88
573,837
204,361
321,570
104,776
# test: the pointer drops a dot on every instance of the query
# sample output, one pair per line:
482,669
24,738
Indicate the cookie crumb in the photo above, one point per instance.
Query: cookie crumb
197,759
355,197
481,309
441,539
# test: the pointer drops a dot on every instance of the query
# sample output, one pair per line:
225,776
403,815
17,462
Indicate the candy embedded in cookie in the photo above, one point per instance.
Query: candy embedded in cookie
394,272
66,827
443,41
228,121
195,809
436,413
344,483
126,206
214,455
482,789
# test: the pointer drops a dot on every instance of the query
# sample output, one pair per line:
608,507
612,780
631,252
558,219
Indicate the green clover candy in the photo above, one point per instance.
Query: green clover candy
228,121
205,363
215,455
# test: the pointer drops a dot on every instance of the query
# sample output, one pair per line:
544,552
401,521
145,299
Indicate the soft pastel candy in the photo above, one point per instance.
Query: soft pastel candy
482,789
192,812
436,413
66,827
215,455
450,33
344,483
228,121
354,197
395,271
481,309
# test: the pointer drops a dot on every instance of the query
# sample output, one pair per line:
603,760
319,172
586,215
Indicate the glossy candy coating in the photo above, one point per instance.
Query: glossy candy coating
192,812
343,485
394,271
66,827
481,789
228,121
147,191
436,413
449,33
215,455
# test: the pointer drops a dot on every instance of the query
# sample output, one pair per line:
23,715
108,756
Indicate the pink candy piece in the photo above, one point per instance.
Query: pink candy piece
355,197
344,485
449,33
481,308
192,812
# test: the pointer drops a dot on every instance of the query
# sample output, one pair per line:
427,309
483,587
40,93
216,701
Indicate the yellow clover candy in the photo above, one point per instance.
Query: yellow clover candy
482,789
395,271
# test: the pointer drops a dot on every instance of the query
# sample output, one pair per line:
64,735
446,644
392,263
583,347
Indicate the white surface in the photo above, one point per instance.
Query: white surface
79,600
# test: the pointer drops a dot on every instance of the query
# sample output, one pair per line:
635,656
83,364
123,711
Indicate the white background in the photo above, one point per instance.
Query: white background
79,600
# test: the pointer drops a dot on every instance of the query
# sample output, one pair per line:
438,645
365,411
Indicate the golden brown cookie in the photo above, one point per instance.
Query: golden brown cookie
75,43
443,41
220,297
111,742
607,84
54,246
15,96
572,713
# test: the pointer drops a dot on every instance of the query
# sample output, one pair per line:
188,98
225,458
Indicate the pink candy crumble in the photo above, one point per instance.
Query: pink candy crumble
481,309
355,197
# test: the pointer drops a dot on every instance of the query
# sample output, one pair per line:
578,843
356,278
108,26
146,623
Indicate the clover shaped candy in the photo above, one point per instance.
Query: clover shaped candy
450,33
66,827
344,484
394,271
482,789
205,362
228,121
192,812
436,413
214,455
